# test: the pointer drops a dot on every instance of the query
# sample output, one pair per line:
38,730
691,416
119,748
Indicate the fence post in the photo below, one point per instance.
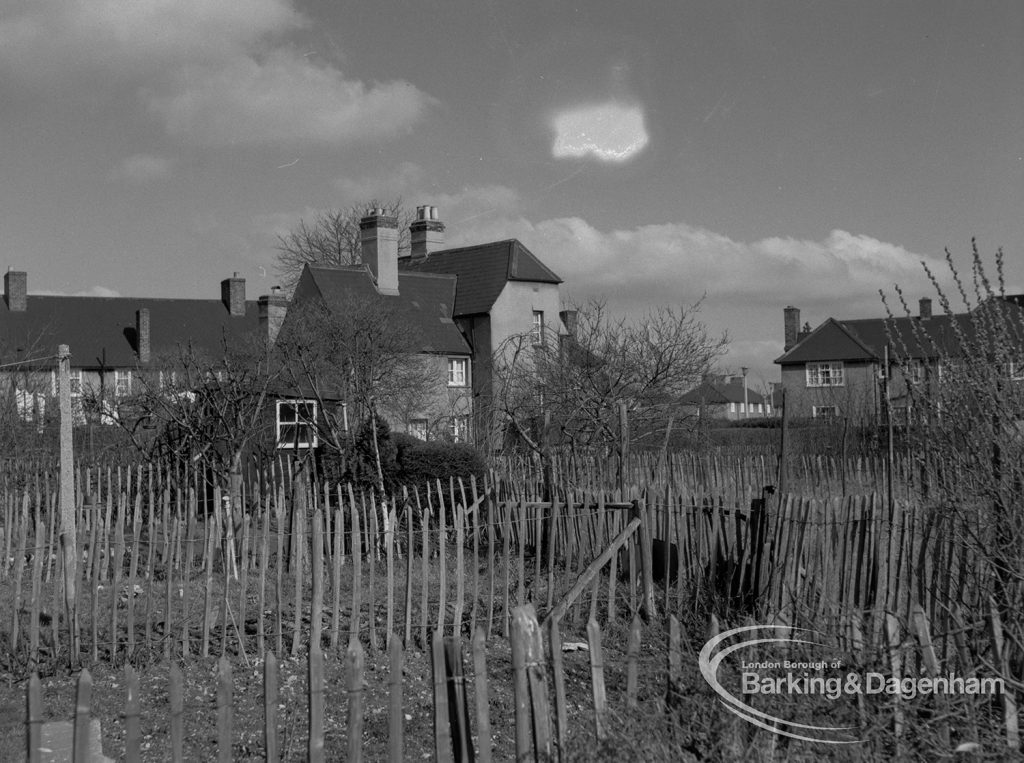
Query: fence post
356,659
83,708
34,718
315,750
483,716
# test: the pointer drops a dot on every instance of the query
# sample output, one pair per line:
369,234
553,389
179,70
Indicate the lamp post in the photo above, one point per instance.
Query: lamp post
746,405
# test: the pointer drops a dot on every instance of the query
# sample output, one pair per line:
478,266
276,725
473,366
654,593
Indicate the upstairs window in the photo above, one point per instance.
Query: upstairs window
458,372
122,383
296,424
537,332
827,374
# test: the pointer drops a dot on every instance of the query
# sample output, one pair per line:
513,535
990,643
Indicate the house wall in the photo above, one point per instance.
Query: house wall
512,312
857,398
438,403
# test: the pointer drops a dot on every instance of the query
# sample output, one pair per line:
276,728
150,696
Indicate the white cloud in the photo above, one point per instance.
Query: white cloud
610,132
141,168
92,291
212,71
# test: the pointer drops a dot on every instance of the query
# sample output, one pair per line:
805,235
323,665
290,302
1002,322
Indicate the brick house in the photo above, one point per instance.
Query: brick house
838,368
114,339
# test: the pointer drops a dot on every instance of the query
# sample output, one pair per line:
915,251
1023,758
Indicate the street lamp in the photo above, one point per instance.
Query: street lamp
746,406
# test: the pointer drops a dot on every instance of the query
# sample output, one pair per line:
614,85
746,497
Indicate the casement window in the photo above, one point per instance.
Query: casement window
458,372
826,374
1017,370
168,379
537,332
915,372
459,428
824,411
732,407
418,428
122,382
74,382
296,424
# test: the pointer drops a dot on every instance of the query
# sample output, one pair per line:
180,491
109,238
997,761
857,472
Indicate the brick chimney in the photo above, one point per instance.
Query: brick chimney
791,327
272,309
378,238
16,290
569,321
142,334
925,307
232,294
426,234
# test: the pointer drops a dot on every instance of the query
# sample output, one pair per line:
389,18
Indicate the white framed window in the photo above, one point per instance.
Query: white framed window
1016,370
537,332
824,411
122,382
826,374
915,372
418,428
296,424
732,407
458,372
459,428
168,379
75,382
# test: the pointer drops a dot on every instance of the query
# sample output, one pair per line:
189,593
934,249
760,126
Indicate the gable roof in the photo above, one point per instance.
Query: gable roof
424,301
716,392
482,271
100,331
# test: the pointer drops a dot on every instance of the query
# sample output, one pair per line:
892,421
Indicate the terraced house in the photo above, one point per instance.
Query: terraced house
843,368
462,305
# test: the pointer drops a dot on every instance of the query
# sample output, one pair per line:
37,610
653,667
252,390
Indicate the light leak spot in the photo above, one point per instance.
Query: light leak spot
610,132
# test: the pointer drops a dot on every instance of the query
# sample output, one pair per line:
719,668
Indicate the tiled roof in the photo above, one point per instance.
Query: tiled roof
483,271
100,331
424,299
908,337
720,393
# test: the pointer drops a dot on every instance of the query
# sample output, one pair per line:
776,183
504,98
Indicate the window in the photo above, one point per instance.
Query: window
827,374
168,379
537,333
824,411
915,372
732,407
458,372
75,382
122,383
1016,370
459,428
296,424
418,428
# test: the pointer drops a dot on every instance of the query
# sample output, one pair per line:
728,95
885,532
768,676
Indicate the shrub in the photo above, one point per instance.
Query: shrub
419,462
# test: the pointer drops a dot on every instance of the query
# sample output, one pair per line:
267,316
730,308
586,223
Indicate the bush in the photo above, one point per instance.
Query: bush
419,462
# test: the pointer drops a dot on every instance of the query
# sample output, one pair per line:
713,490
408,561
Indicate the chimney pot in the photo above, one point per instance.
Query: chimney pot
925,307
791,327
16,290
232,294
569,321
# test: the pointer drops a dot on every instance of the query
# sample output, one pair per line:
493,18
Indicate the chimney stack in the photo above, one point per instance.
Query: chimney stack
272,309
426,234
925,307
142,334
378,237
232,294
791,327
16,290
569,321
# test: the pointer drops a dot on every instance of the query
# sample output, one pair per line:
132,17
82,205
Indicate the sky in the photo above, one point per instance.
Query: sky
746,156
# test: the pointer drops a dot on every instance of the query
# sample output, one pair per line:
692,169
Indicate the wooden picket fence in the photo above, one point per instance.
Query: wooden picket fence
541,725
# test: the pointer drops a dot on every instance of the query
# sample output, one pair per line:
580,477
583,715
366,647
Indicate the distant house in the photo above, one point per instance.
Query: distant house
837,369
114,339
726,397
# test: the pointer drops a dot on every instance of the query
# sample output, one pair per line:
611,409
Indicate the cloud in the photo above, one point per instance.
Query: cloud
141,168
212,72
92,291
610,132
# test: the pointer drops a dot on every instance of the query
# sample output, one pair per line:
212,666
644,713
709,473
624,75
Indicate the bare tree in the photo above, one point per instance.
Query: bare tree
964,426
332,238
578,383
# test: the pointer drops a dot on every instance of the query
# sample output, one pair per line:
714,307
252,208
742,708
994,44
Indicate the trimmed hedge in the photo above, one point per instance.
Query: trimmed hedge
419,462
